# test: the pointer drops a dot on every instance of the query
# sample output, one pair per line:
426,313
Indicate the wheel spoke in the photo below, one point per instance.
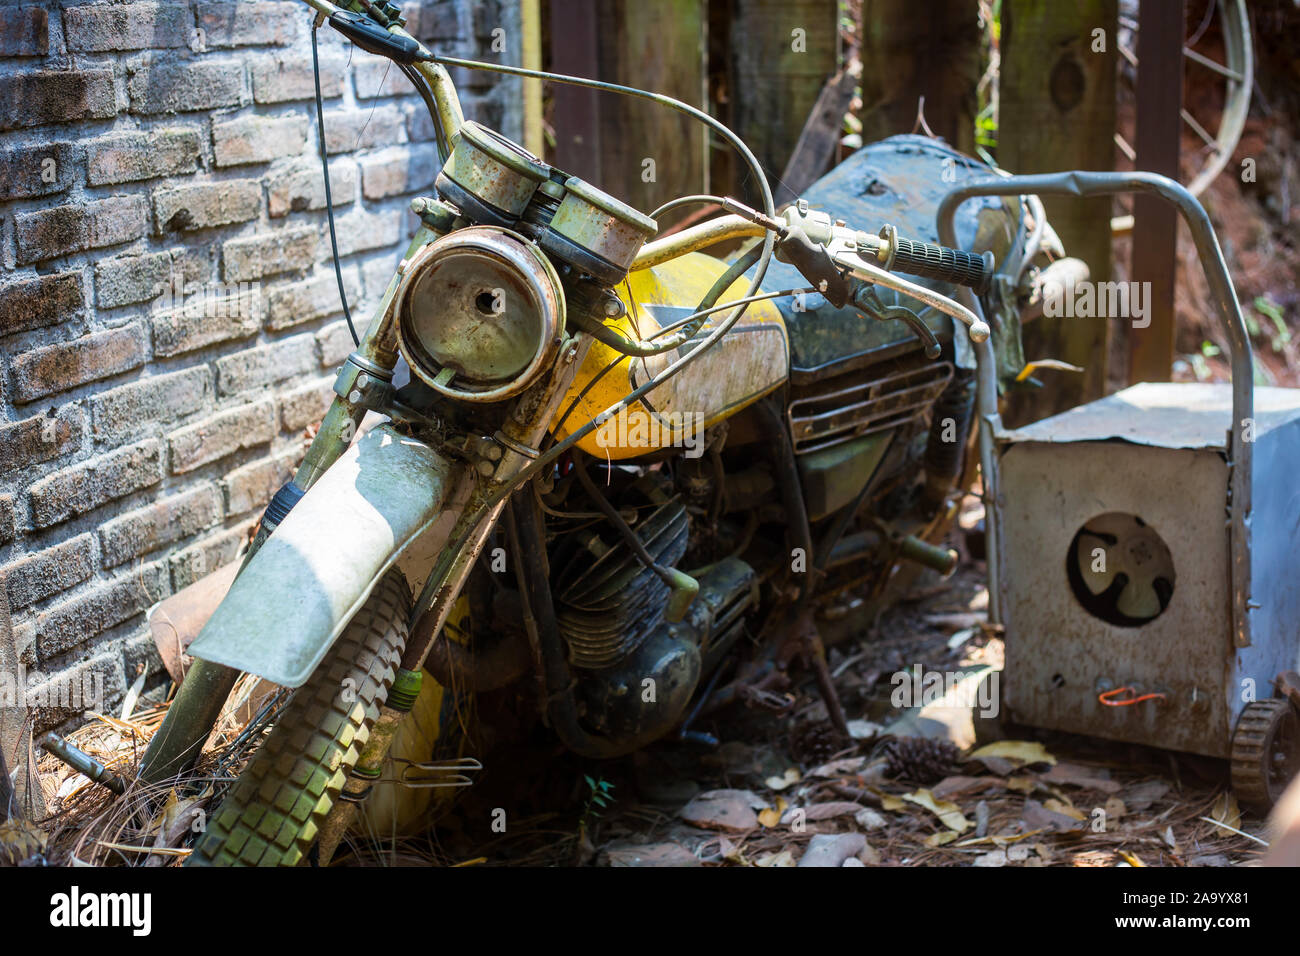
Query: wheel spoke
1190,120
1125,148
1206,62
1127,54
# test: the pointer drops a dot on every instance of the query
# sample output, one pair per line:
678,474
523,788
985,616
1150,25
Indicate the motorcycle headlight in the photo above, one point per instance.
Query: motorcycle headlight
479,313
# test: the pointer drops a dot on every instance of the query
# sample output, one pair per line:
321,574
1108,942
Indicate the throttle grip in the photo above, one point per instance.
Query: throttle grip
931,261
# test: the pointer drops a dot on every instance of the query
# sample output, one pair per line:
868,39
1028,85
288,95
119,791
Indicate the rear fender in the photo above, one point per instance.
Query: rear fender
301,588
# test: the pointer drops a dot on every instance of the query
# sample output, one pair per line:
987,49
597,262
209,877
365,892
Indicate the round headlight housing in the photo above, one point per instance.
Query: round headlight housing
480,314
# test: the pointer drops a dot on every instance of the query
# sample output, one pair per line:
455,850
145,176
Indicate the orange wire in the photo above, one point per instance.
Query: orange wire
1104,698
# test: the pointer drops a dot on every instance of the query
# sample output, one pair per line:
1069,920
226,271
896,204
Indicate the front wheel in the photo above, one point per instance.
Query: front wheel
274,811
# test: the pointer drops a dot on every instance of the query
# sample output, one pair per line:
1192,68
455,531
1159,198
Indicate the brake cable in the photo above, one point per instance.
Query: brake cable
325,169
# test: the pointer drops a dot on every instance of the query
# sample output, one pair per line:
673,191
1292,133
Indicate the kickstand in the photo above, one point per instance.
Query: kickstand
813,654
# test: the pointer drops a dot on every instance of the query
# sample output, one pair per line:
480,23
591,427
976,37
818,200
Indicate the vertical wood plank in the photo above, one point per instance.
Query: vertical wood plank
1057,110
575,113
651,154
1155,222
783,52
915,48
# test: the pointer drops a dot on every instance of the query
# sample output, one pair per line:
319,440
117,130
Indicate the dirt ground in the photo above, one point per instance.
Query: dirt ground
781,786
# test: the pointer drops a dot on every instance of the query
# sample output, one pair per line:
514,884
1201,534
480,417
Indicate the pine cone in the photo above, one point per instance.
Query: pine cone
922,759
21,844
815,742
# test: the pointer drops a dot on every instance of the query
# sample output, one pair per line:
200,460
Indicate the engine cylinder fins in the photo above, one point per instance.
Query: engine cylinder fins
1120,569
479,314
607,602
648,692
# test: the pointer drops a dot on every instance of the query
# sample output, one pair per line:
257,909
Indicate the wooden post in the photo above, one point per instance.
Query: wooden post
1057,112
575,109
782,51
1155,222
652,154
641,152
915,48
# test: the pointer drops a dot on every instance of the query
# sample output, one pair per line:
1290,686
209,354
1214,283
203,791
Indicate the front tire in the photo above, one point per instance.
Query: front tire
274,811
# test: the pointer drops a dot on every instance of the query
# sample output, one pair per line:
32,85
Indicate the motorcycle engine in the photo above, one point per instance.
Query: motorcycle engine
637,671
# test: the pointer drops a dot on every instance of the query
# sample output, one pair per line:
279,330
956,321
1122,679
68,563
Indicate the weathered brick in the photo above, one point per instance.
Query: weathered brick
56,96
120,412
40,170
303,187
159,278
139,655
335,344
288,250
377,273
130,157
128,279
89,484
206,205
162,86
316,298
8,519
208,555
283,77
205,320
436,21
61,230
24,31
347,130
159,523
307,405
71,623
247,23
374,78
419,124
250,488
258,139
41,302
222,434
36,576
64,365
40,438
397,172
266,364
68,693
359,231
101,28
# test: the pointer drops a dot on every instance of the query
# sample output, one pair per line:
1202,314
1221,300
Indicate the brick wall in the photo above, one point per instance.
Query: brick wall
168,315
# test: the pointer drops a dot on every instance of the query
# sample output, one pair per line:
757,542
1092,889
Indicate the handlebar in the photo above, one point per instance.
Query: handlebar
929,260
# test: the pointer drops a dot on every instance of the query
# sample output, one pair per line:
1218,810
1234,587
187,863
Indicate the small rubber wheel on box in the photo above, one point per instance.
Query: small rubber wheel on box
1265,752
274,811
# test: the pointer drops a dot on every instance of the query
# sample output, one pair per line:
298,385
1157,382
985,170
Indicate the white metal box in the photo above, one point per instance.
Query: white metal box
1156,453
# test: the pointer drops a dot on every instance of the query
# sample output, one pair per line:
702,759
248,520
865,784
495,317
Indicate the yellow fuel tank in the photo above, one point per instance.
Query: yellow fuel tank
750,361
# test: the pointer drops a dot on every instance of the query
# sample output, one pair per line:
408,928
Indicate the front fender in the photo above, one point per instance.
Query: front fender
314,572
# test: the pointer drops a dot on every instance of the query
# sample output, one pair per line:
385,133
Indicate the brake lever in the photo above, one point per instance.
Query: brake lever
865,300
